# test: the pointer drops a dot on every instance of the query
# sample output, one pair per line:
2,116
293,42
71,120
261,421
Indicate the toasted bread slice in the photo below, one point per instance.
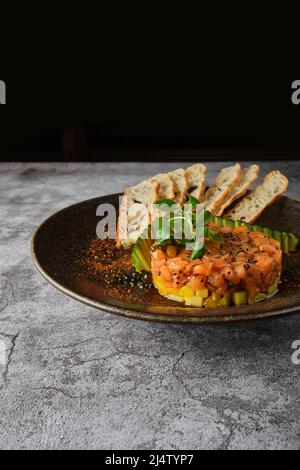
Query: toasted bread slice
249,176
135,211
166,186
251,206
180,184
195,177
221,187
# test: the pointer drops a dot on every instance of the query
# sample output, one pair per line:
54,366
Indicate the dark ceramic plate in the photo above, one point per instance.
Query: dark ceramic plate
67,252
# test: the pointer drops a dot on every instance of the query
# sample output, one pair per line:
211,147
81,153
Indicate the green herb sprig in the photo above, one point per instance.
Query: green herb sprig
175,217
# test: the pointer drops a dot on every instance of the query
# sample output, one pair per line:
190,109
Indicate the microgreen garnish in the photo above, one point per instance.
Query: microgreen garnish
198,251
179,226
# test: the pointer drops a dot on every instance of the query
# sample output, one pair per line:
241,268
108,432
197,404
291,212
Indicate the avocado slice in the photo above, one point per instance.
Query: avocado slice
268,231
260,297
228,223
244,224
285,242
277,235
273,287
293,242
218,220
140,255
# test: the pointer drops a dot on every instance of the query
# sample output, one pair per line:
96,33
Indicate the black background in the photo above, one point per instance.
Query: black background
144,109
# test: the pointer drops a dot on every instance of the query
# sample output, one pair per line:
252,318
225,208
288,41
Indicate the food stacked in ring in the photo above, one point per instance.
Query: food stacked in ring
198,256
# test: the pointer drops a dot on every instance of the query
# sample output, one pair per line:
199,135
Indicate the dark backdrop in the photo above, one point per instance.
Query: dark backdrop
93,118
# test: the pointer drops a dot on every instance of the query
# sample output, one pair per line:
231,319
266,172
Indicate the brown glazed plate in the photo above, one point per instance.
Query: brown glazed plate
67,252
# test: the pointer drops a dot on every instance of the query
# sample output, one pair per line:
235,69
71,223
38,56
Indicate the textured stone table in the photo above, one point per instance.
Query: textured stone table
74,377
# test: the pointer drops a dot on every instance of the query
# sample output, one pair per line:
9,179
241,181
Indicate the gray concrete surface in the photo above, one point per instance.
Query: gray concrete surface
74,377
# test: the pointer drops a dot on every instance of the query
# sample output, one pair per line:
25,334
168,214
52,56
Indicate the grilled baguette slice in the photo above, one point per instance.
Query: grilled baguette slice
195,177
248,177
180,184
251,206
166,186
135,211
221,187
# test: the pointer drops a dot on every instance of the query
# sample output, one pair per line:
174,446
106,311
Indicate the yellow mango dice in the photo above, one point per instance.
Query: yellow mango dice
203,293
177,298
194,301
225,300
186,291
170,290
159,283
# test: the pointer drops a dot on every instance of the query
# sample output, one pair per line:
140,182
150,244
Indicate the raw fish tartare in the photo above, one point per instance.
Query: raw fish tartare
244,268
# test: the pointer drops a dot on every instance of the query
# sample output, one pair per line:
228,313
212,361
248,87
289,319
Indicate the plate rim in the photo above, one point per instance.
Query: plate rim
137,314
